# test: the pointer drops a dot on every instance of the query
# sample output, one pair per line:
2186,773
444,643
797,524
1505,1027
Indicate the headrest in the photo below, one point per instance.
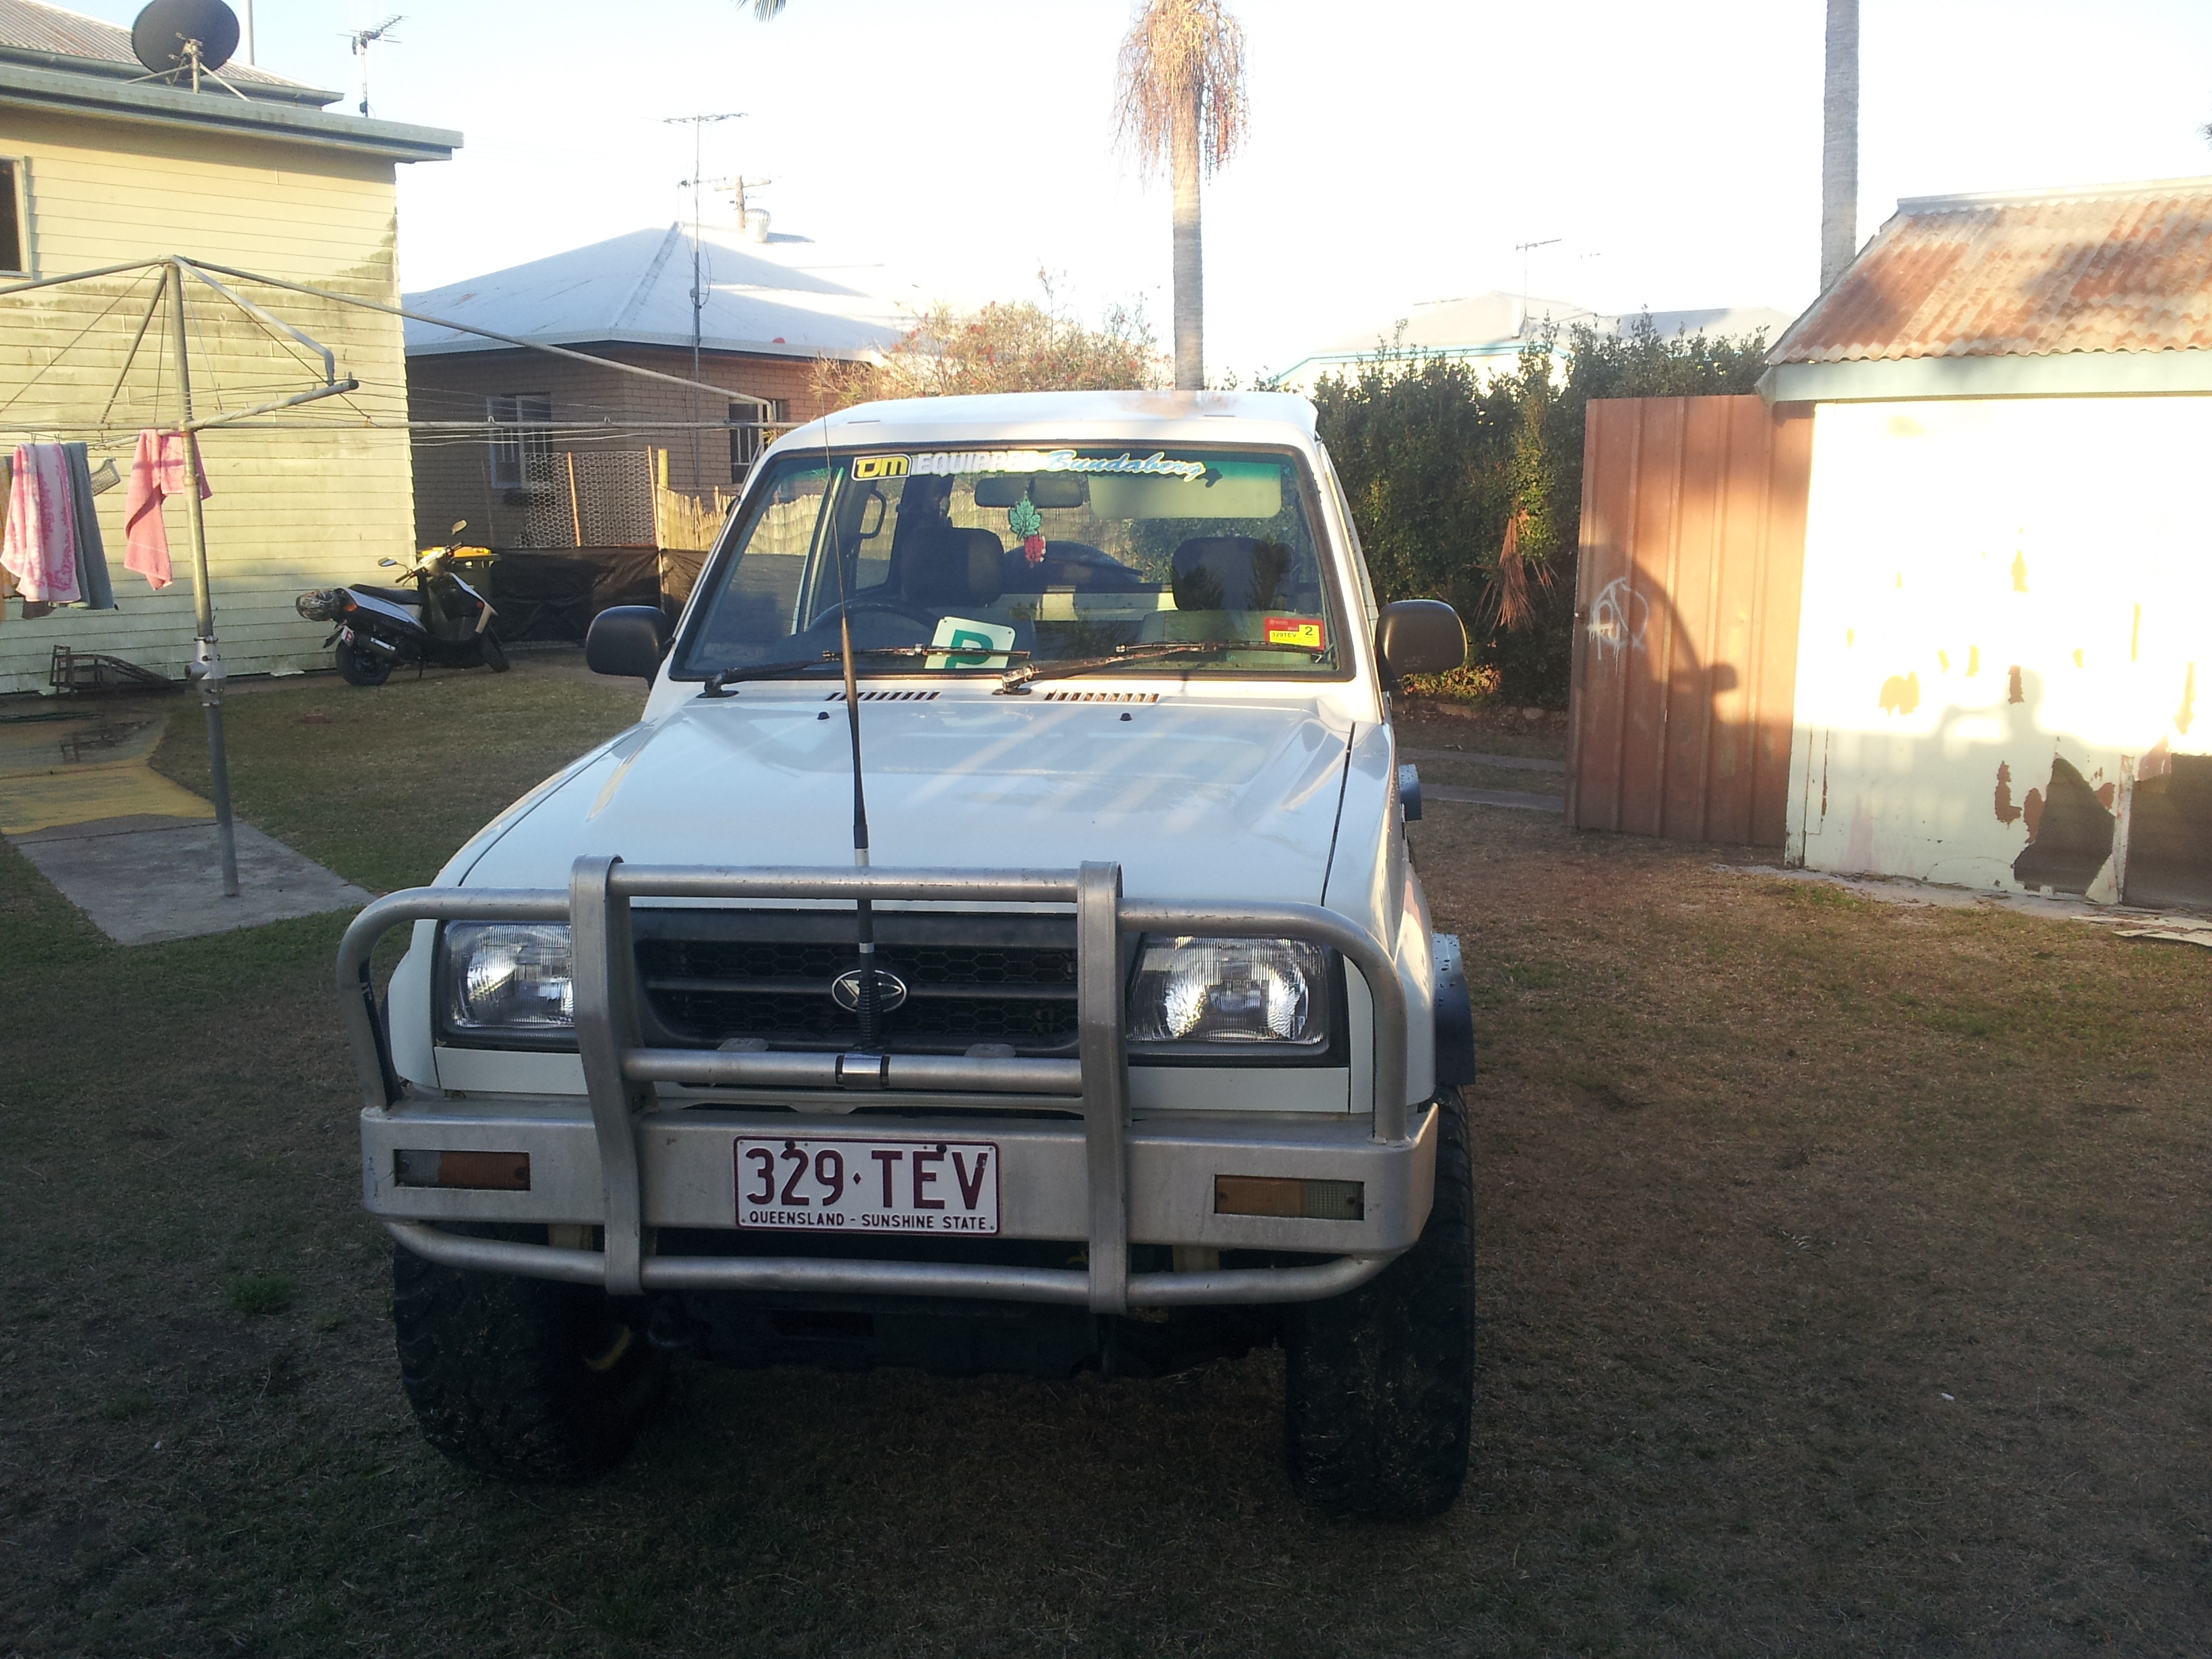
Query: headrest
955,566
1229,573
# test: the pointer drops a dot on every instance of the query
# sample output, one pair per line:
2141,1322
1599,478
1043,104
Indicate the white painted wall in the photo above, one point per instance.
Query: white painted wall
1949,543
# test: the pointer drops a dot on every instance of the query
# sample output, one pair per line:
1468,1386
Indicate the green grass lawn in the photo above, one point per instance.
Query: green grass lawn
1844,1278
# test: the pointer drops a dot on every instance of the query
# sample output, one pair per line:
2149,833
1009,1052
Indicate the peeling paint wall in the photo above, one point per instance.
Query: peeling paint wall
2006,602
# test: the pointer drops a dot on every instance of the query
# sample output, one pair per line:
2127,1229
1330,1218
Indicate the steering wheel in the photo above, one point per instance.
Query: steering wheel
861,607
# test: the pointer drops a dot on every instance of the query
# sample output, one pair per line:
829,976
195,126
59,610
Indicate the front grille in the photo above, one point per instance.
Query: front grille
710,976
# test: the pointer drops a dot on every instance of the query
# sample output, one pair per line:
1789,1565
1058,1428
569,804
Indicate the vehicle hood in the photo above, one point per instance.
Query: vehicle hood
1196,800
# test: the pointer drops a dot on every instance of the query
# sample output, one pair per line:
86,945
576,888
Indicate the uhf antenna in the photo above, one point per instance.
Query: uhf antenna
362,41
864,919
696,184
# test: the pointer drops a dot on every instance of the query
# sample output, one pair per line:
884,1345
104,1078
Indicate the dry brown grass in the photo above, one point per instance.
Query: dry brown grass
1766,1171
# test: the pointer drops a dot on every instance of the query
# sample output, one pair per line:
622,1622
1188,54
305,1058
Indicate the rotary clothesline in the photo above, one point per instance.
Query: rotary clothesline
205,670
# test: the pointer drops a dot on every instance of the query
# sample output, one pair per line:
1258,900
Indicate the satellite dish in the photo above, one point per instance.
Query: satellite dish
193,35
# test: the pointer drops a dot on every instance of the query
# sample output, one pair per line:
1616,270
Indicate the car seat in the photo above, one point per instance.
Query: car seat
1229,573
951,569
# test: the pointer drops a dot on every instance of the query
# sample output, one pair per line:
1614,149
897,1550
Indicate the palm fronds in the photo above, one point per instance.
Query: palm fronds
1180,54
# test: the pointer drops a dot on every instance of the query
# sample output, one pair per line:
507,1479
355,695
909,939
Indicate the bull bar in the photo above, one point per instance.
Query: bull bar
621,1076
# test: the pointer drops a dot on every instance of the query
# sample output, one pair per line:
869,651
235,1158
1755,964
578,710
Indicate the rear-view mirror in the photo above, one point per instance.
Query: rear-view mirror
627,641
1419,636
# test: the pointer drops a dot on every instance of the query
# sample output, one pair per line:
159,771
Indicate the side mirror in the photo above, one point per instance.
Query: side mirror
460,524
390,564
627,641
1419,636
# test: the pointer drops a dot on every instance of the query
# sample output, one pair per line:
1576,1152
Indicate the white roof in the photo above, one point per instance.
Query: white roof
1499,325
785,296
1008,418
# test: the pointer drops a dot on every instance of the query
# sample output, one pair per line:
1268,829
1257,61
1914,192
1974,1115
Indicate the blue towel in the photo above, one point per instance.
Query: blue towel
91,584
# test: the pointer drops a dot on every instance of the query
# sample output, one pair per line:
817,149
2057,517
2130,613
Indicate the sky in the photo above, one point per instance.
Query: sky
1400,149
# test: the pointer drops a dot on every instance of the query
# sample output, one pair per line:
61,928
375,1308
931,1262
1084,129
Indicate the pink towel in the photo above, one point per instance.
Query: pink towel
159,468
41,546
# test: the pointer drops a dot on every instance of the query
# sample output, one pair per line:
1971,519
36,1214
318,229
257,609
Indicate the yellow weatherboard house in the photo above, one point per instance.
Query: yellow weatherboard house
102,166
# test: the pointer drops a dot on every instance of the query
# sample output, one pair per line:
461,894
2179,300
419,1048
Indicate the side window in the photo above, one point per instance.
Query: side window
521,455
748,436
13,234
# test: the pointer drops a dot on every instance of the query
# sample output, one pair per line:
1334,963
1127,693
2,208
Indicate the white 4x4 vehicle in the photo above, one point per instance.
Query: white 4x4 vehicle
1122,1040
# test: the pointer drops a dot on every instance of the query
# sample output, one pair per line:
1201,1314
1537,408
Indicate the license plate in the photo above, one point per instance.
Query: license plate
944,1187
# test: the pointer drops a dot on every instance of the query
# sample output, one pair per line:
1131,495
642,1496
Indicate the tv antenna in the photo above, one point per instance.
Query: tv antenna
181,39
362,41
696,184
1524,249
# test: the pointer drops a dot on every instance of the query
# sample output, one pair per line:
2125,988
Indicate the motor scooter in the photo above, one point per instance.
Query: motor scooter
440,619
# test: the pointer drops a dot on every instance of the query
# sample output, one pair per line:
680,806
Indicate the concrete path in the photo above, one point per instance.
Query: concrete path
89,765
133,850
1515,798
1511,762
144,879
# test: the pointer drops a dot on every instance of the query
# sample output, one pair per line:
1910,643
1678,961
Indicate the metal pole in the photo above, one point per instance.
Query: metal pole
205,670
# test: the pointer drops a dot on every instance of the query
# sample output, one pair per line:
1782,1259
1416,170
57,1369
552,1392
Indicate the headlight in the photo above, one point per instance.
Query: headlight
507,976
1230,990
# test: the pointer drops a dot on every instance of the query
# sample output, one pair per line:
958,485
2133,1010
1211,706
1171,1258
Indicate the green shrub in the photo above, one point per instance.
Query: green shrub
1436,461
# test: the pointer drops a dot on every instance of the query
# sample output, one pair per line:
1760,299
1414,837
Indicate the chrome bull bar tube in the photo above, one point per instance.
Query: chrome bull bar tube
1063,1286
621,1074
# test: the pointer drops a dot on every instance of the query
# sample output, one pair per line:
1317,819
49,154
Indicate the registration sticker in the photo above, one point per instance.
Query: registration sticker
864,1187
1295,630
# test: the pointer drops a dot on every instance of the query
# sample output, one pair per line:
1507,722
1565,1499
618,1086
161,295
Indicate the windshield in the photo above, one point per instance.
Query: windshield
1193,560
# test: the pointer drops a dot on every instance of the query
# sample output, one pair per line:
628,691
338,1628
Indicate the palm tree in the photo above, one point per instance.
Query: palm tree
1183,102
1839,142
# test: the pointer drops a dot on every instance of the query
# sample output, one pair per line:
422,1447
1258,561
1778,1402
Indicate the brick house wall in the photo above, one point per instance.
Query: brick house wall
453,471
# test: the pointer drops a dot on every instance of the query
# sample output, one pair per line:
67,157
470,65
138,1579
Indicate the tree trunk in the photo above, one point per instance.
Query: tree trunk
1839,143
1189,267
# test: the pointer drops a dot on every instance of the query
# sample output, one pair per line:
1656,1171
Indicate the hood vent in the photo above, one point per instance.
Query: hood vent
886,697
1102,697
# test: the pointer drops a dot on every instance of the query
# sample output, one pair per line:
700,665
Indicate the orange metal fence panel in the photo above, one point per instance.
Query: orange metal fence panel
1686,610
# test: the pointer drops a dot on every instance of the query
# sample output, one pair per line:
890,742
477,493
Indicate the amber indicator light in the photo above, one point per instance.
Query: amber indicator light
1286,1195
485,1172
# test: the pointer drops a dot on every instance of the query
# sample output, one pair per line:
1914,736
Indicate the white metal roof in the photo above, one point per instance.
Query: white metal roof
785,296
1500,325
1008,419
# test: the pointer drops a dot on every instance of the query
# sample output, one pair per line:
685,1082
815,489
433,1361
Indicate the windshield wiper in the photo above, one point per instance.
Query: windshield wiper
723,677
1015,679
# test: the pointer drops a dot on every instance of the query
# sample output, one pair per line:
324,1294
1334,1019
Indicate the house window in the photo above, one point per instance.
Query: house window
747,438
519,455
12,237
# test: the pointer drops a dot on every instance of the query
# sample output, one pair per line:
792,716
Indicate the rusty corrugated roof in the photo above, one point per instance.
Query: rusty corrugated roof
2121,268
30,32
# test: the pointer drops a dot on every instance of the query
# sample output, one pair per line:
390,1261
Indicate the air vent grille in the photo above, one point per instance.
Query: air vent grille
1102,697
886,697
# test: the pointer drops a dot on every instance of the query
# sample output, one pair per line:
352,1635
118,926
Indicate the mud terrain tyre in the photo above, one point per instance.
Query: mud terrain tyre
522,1378
1379,1393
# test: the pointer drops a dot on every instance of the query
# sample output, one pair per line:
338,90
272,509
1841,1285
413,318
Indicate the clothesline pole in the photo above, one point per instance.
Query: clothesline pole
206,668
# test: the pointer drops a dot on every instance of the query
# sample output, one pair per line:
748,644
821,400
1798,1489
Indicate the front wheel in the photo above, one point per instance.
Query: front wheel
358,665
491,652
523,1378
1379,1392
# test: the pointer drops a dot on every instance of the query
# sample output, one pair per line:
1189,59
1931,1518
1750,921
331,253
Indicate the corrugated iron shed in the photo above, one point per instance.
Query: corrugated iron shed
2124,268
